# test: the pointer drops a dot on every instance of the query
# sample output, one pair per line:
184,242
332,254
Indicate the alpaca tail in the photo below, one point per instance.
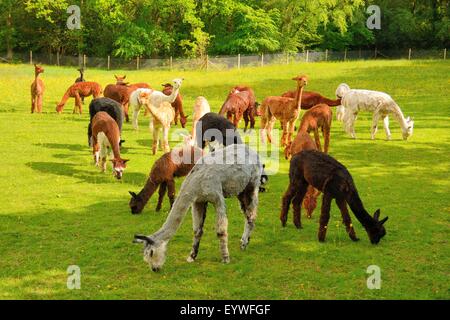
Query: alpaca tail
332,103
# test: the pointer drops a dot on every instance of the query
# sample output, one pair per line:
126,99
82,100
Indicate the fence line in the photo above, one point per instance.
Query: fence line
222,62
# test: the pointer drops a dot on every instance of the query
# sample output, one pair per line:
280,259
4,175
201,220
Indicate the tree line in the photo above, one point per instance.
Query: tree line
193,28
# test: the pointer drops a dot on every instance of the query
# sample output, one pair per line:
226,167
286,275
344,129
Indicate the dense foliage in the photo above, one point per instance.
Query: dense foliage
152,28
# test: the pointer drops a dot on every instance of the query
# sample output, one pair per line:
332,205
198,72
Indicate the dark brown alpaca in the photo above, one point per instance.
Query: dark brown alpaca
77,91
335,182
177,163
240,103
310,99
302,142
177,105
37,90
318,117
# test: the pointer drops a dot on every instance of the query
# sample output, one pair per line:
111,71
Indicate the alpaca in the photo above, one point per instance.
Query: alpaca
240,103
311,99
163,116
37,90
201,107
77,91
315,118
212,179
156,98
212,127
109,106
379,103
177,163
105,135
177,105
331,178
285,109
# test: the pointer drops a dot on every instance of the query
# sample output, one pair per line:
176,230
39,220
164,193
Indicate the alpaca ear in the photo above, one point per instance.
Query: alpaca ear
125,160
134,195
383,221
138,238
376,215
117,78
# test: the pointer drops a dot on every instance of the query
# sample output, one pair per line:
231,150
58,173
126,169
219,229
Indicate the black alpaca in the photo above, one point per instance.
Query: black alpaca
213,126
335,182
111,107
81,79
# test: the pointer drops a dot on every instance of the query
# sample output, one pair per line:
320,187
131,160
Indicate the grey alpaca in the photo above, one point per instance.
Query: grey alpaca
232,171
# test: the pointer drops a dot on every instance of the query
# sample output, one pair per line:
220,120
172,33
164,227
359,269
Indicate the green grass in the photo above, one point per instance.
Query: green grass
56,209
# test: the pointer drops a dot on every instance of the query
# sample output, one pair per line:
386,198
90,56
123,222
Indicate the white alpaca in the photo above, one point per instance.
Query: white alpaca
233,171
156,98
379,103
162,117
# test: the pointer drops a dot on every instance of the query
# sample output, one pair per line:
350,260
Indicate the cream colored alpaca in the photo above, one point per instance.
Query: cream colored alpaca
163,117
201,107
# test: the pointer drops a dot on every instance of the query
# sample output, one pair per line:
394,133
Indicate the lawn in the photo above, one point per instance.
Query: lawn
57,209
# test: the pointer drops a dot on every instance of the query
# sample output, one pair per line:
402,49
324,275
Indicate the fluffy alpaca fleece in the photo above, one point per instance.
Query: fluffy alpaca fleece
105,135
335,182
201,107
155,98
213,127
37,90
231,171
77,91
177,105
379,103
174,164
311,99
109,106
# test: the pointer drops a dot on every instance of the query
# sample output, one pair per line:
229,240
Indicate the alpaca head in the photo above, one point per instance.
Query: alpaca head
144,97
177,83
38,69
409,128
119,166
154,251
301,80
121,80
136,203
310,201
341,90
377,231
59,107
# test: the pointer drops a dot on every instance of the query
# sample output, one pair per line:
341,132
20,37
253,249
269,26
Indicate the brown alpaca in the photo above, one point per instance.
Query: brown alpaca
121,92
240,103
318,117
37,90
77,91
171,165
284,109
335,182
106,135
310,99
177,105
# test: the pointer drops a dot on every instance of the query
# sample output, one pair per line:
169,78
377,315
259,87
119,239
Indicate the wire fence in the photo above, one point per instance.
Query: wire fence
219,62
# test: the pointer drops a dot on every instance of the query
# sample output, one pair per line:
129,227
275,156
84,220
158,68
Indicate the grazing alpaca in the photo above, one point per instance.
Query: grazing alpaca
318,117
311,99
109,106
37,90
201,107
105,135
329,176
240,103
379,103
212,127
156,98
163,116
77,91
177,105
174,164
285,109
212,179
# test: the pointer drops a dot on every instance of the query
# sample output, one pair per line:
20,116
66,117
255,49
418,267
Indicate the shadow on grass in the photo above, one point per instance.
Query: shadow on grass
62,146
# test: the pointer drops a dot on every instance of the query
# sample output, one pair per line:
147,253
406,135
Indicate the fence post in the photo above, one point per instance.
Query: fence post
345,54
170,62
307,55
445,53
262,59
239,60
207,62
84,61
109,62
409,54
376,52
57,58
287,57
326,54
137,63
31,57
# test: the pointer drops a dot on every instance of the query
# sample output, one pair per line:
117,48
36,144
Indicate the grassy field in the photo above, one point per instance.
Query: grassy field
57,209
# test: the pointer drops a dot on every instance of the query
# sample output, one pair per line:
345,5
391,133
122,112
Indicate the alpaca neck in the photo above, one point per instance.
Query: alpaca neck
360,212
298,98
65,98
36,75
148,190
114,140
398,115
154,111
175,217
174,94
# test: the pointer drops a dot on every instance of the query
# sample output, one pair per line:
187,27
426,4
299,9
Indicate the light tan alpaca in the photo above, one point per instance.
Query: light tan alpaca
284,109
201,107
37,90
163,117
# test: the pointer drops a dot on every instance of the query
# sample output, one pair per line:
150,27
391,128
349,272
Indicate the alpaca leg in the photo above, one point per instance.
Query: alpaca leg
125,110
286,203
252,118
136,112
175,118
270,125
349,123
40,98
171,191
198,220
246,120
291,129
297,201
386,127
151,125
162,193
222,227
284,137
346,219
326,138
317,139
166,145
33,104
324,216
375,119
263,126
249,205
155,140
